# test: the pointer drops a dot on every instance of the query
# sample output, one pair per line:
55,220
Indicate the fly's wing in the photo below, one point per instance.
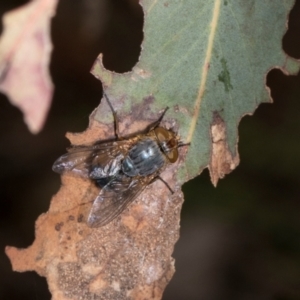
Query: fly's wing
83,159
75,161
114,198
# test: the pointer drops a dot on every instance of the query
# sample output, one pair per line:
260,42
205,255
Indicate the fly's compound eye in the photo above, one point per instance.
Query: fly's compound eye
173,153
168,142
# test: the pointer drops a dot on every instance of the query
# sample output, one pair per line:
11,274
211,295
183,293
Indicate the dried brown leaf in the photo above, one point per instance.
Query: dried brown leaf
130,258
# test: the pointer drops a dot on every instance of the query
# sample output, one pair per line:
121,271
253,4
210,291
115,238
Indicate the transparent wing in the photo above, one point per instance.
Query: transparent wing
114,198
82,160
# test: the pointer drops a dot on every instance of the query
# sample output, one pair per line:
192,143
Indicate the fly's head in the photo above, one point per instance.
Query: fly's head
169,142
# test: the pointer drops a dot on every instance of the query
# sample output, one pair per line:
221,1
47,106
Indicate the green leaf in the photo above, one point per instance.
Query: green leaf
208,61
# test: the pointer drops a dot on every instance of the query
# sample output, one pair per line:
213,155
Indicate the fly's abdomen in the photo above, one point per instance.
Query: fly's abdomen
143,159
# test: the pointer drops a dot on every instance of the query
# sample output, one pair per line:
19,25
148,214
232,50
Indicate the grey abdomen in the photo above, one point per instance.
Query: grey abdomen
143,159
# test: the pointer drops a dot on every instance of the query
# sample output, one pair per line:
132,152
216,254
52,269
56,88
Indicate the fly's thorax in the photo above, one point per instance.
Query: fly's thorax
168,142
144,158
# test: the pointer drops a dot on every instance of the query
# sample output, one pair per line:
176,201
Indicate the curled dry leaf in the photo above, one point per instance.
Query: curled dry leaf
24,60
222,160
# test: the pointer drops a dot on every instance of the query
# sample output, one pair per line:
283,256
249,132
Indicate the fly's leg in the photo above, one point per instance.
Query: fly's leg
116,120
166,184
156,123
181,144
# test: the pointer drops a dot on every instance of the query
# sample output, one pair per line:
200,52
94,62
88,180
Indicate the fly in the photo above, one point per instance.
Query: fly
121,168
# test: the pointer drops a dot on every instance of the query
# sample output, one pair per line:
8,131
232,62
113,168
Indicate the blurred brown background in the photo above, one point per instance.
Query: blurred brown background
238,241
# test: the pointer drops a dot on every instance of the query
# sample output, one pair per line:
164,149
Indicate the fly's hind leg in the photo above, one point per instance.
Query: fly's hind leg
116,120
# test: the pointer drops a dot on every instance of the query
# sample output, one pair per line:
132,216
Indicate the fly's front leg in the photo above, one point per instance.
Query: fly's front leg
157,123
116,120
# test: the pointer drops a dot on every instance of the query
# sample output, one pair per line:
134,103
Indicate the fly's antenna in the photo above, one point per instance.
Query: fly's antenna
116,121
